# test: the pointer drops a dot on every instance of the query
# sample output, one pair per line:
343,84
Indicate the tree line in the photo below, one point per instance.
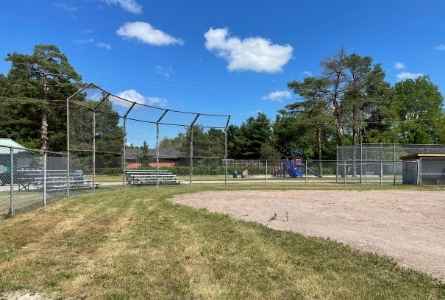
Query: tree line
350,102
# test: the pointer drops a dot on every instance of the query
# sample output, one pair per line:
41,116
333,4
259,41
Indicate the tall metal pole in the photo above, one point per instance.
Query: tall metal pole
225,157
394,163
361,162
157,154
336,166
226,153
305,170
68,147
124,146
191,155
124,153
265,178
94,150
11,183
191,145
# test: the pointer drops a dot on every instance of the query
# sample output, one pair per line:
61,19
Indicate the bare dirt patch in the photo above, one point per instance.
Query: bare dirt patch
406,225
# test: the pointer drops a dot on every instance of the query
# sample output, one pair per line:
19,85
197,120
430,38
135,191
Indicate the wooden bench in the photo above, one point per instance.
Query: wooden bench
151,177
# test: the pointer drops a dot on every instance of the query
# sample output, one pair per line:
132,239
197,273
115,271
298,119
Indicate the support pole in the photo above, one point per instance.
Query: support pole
419,170
124,146
191,146
226,154
381,172
157,155
45,174
225,157
394,163
305,171
124,153
361,163
94,151
164,113
344,172
336,166
68,134
11,183
68,147
265,178
191,156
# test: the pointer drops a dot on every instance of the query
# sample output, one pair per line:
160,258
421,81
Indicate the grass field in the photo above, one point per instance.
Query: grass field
134,243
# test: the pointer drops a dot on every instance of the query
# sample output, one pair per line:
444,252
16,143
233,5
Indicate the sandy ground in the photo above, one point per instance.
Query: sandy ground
406,225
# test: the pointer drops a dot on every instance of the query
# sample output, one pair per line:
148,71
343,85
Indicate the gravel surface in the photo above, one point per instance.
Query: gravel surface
406,225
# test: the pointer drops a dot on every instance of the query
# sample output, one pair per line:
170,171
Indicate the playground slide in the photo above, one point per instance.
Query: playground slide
292,169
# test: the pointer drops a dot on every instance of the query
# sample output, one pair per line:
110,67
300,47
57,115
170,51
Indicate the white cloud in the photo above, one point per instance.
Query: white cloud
131,6
440,47
103,45
166,72
147,34
66,7
399,66
249,54
137,97
84,41
307,73
408,75
277,96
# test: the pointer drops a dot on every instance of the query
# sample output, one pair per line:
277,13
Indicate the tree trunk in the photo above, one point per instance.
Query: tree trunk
44,131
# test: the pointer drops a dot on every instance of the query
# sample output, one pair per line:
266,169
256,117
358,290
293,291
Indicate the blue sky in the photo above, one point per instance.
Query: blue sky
225,56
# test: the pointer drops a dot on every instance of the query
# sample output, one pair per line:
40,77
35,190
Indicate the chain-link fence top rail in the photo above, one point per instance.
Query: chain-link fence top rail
109,134
385,152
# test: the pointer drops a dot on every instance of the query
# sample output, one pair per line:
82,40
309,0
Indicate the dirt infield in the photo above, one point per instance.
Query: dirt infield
406,225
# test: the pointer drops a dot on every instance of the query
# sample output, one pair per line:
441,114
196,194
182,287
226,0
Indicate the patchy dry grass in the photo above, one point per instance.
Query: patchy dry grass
133,243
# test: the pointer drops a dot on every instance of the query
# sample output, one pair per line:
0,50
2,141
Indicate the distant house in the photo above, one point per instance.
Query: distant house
168,158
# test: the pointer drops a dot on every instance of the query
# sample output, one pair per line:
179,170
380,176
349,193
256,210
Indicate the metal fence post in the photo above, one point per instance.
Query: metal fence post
11,183
394,163
45,174
191,155
419,170
94,150
344,172
305,170
265,178
157,155
381,172
68,147
361,163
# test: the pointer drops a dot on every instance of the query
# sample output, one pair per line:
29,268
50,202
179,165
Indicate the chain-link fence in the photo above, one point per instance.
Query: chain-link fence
31,178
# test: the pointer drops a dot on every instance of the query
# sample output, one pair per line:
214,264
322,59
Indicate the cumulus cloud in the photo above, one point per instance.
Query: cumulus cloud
440,47
249,54
131,6
137,97
408,75
399,66
147,34
277,96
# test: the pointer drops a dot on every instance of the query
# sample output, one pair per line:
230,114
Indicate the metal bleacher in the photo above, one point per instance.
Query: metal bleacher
56,180
151,177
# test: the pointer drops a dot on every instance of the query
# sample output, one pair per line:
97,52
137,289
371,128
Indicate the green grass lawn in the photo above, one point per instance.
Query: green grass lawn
135,244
